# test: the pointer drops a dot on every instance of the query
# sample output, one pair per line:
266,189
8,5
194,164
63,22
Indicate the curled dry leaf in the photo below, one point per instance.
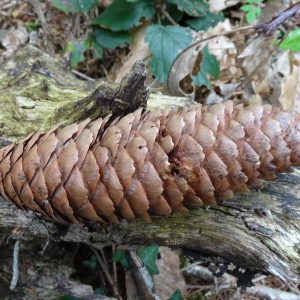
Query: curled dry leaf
170,277
187,64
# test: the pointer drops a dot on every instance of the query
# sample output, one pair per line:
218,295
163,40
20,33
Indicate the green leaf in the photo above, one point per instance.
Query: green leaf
247,8
92,263
148,256
77,48
195,8
110,39
257,10
99,291
120,257
166,43
292,41
203,23
30,26
251,16
123,15
209,65
75,5
98,50
176,295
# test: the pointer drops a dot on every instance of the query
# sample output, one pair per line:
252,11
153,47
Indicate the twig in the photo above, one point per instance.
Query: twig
41,16
145,274
167,15
15,277
82,75
115,267
106,272
45,247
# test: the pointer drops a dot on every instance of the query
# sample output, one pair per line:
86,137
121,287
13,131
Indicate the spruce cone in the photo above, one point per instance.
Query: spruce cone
159,161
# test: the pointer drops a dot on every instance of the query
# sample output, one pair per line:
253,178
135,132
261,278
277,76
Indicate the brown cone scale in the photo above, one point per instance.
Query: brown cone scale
158,162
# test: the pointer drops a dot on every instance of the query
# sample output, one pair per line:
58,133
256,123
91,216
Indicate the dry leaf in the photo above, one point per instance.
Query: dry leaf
170,276
215,6
14,39
138,50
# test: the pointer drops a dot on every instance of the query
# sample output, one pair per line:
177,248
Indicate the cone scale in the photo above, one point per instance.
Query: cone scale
158,162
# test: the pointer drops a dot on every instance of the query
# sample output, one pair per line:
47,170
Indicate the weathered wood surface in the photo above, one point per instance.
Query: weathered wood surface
259,231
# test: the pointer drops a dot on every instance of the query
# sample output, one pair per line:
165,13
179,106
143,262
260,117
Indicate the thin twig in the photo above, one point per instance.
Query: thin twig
41,16
15,277
106,272
82,75
167,15
145,274
115,268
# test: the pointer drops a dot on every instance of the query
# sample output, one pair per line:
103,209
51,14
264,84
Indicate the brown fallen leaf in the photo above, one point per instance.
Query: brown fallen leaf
170,276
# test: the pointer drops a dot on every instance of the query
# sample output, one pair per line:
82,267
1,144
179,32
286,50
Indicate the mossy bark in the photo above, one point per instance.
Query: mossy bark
38,91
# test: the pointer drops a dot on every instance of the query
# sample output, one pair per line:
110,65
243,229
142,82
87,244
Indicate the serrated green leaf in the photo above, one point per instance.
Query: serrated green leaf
292,41
92,263
99,291
166,42
75,5
120,257
209,65
204,23
247,7
176,295
123,15
148,256
77,48
111,39
195,8
251,16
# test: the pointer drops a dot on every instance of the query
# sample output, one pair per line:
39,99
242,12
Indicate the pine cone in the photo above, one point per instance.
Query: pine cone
159,161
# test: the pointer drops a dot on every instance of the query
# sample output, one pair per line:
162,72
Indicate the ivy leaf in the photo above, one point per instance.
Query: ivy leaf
209,65
110,39
91,263
166,42
148,256
292,41
176,295
195,8
123,15
77,48
204,23
120,257
75,5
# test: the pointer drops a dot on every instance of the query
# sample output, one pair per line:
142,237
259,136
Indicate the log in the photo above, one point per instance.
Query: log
257,231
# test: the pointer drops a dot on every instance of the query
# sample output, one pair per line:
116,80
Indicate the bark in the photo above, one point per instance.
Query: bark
258,231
